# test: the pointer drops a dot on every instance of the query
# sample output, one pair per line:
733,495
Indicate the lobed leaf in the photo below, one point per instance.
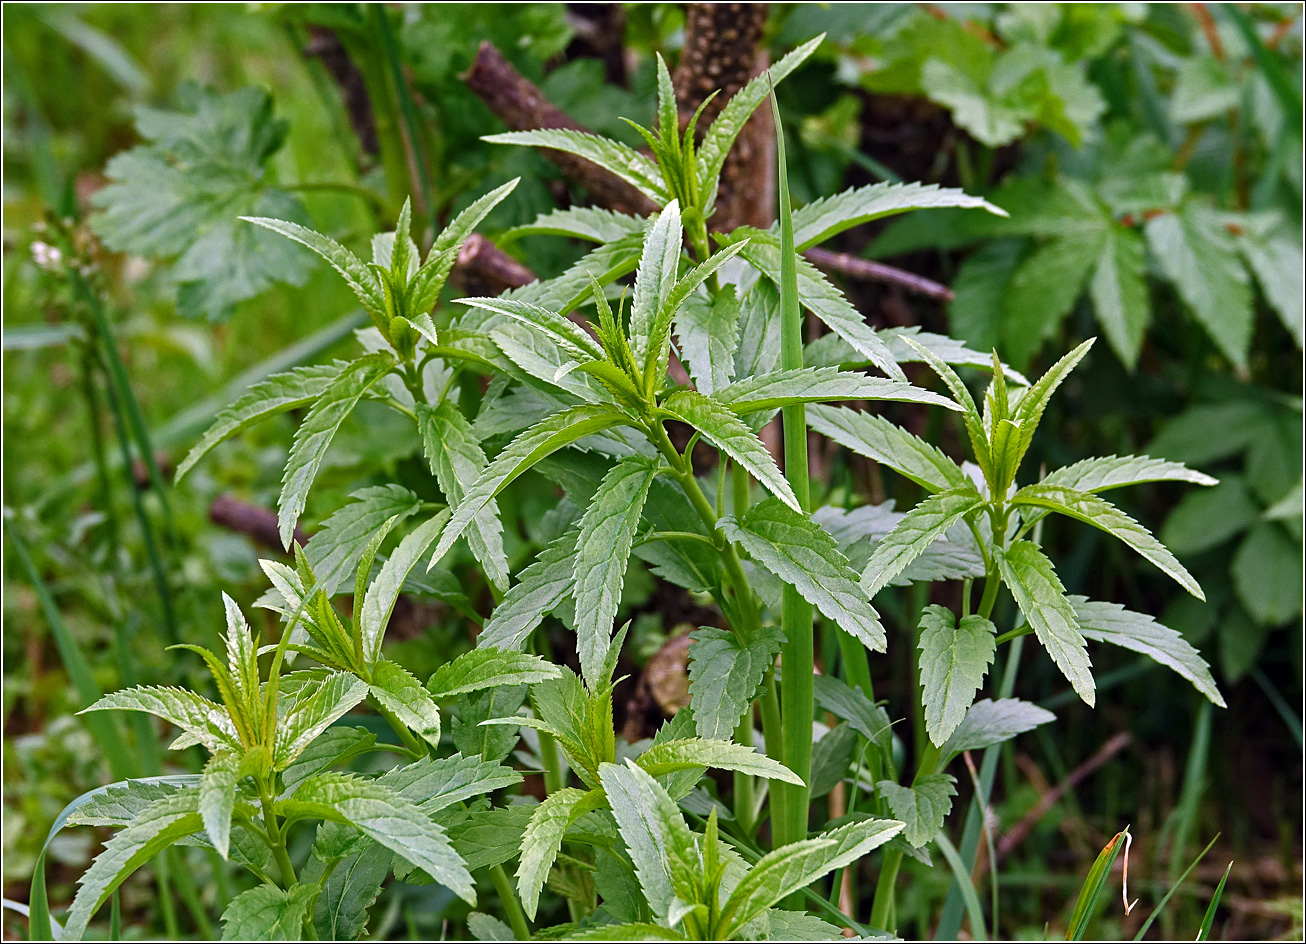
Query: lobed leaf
954,660
267,913
724,674
922,807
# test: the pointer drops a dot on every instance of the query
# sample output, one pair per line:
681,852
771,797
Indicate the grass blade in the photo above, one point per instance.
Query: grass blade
1086,904
974,909
1173,888
1205,932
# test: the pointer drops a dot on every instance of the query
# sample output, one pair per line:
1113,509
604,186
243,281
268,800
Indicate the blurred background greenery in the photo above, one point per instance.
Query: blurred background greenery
1150,156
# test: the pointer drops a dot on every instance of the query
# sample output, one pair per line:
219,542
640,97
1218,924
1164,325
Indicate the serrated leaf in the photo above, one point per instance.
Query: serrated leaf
954,660
436,784
624,161
991,722
362,280
866,718
1039,594
1277,263
382,594
543,839
206,722
724,674
1267,574
876,438
488,667
975,429
559,430
570,337
1118,289
592,223
456,459
158,826
267,913
977,307
658,266
818,384
290,390
668,757
351,888
426,283
333,746
117,804
310,716
217,797
383,816
917,530
732,437
539,588
1101,514
395,689
1029,411
1043,290
708,331
605,264
791,546
1112,623
316,432
922,807
336,548
1106,472
821,219
607,531
486,838
659,353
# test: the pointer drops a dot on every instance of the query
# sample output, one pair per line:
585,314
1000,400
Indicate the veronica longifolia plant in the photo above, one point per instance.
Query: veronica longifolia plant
582,388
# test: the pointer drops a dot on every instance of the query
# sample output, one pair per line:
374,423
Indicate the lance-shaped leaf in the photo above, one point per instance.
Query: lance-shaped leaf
360,278
543,839
381,596
242,664
591,223
457,459
803,555
822,219
539,356
333,746
436,784
709,334
337,547
616,158
917,530
205,722
954,659
818,384
267,913
218,797
1118,289
387,818
791,868
1039,594
395,690
318,429
351,888
158,826
607,531
822,299
922,807
488,667
866,718
545,438
659,352
687,753
564,332
876,438
539,588
1102,514
991,722
313,714
1112,623
290,390
724,674
1106,472
117,804
975,430
732,437
1030,409
659,843
658,266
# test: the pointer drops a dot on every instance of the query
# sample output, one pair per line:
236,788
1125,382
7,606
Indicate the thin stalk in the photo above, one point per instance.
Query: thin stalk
508,898
796,616
745,795
276,839
406,106
554,779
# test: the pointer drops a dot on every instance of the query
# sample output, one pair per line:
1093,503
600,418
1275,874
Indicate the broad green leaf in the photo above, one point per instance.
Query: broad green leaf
487,838
456,459
1040,596
917,530
607,531
337,547
792,868
291,390
822,299
619,159
383,816
395,689
543,839
659,353
687,753
313,714
158,826
1267,574
876,438
1112,623
335,745
204,721
353,886
658,266
1102,514
1195,252
545,438
758,350
1118,289
1029,411
488,667
708,331
591,223
485,927
818,384
539,588
569,336
436,784
381,596
731,436
267,913
829,216
832,755
1100,474
1203,90
1277,263
318,429
922,807
991,722
117,804
424,288
979,290
364,281
1044,289
724,674
954,660
791,546
217,797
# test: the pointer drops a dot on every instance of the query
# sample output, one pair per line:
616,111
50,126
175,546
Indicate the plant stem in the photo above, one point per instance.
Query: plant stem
744,794
276,839
508,898
553,776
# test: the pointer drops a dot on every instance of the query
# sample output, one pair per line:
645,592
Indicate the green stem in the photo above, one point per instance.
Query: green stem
745,797
553,776
409,740
276,839
508,898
